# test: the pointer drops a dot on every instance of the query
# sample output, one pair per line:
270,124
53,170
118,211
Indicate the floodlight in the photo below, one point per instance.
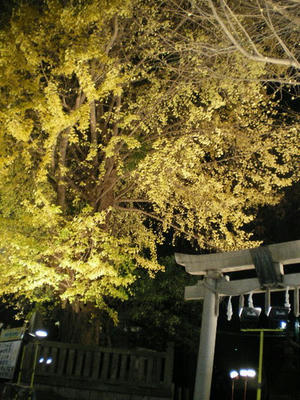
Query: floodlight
279,313
283,324
251,373
278,317
249,316
244,372
250,313
233,374
247,373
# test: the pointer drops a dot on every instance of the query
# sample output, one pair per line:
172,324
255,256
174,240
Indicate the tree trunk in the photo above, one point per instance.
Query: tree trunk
78,324
61,188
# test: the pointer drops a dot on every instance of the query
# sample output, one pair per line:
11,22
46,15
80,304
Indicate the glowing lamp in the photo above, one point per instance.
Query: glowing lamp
36,327
233,374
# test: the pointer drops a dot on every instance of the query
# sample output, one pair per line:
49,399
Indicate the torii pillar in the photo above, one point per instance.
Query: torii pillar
268,262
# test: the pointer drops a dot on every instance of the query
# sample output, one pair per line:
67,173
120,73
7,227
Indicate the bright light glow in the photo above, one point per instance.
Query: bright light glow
247,373
244,372
233,374
283,324
251,373
41,333
49,360
41,360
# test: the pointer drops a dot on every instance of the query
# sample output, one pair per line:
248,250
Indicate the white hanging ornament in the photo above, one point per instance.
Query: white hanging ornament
229,309
287,299
241,303
250,300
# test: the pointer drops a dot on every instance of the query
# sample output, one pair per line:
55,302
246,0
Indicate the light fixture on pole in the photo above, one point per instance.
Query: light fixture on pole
234,375
247,373
37,330
36,327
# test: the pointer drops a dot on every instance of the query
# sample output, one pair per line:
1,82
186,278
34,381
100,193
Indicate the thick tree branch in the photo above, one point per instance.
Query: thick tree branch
134,201
80,99
124,191
118,107
114,36
235,19
62,151
93,129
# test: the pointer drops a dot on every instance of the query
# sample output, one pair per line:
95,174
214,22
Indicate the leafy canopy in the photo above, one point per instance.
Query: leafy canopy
110,138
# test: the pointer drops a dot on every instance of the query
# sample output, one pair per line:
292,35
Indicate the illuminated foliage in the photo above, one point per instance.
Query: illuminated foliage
110,138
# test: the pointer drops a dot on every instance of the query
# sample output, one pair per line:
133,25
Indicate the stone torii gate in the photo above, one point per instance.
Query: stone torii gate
268,262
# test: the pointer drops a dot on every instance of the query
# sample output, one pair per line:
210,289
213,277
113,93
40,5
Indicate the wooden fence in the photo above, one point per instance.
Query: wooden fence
182,393
97,372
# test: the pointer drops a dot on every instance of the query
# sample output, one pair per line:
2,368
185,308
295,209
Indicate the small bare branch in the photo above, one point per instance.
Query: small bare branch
177,228
291,62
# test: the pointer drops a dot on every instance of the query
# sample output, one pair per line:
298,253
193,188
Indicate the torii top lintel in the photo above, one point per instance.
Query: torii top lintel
283,253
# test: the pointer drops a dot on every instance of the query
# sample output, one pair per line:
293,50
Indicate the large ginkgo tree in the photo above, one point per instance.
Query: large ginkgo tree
112,135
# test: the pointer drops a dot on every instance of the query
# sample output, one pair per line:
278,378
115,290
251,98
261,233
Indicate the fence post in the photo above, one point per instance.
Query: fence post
169,363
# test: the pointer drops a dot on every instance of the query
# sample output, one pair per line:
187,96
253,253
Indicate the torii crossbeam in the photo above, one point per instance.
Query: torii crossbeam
268,262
